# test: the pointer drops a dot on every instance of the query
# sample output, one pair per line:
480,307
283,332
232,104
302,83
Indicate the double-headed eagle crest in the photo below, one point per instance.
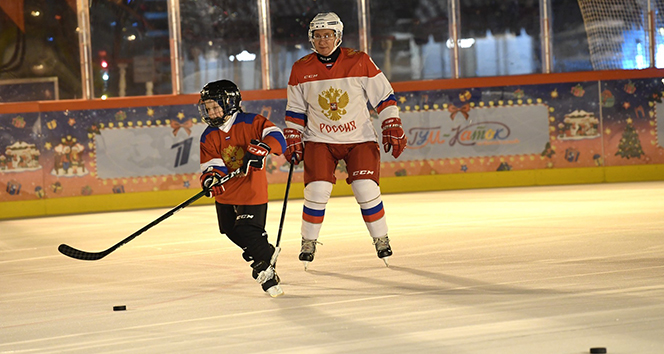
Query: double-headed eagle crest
333,102
232,156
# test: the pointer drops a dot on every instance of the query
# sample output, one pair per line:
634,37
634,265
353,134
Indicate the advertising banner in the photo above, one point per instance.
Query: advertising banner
148,151
486,131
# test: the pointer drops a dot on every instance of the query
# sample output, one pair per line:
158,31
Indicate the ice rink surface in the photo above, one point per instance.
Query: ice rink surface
532,270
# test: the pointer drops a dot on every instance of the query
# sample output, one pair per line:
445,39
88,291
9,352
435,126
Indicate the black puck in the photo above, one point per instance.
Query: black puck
123,307
597,350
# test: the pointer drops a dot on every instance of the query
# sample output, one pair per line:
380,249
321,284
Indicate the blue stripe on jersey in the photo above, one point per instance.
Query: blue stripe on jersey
244,118
313,212
206,132
299,116
222,169
296,115
280,138
373,210
391,97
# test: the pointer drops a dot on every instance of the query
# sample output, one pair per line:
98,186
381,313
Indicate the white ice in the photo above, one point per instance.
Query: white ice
532,270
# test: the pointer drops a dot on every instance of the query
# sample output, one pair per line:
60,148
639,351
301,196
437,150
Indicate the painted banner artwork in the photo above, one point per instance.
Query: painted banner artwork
82,152
148,151
487,131
659,107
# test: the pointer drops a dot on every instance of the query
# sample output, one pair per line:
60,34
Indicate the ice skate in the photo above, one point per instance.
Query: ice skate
267,277
307,251
383,248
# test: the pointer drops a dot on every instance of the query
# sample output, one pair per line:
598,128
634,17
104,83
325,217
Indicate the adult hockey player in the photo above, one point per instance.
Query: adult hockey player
328,120
238,140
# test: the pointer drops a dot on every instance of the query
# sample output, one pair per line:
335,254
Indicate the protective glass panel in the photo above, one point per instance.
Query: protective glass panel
570,50
409,39
39,57
130,48
220,40
658,7
499,38
290,26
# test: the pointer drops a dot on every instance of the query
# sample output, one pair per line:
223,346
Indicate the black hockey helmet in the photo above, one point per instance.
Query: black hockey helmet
226,94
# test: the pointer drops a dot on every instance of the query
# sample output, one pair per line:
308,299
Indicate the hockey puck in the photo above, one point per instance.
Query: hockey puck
597,350
123,308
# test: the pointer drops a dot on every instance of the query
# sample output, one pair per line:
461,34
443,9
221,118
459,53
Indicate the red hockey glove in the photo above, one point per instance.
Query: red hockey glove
254,158
210,182
393,136
295,149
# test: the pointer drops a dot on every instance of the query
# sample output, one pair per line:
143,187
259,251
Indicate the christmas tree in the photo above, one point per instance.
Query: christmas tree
548,150
630,145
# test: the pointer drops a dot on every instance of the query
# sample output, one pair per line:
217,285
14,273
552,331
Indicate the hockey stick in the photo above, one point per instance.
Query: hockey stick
93,256
283,214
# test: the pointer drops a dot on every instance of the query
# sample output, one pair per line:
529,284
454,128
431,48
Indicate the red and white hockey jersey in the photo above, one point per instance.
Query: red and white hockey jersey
223,149
330,105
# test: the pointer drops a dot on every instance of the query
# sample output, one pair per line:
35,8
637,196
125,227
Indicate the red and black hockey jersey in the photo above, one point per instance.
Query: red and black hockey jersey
223,149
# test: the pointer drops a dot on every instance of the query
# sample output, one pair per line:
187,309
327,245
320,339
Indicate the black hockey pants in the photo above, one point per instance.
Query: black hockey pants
245,226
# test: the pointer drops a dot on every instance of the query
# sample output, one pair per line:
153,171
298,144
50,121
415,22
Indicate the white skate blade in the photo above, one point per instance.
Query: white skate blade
306,265
387,264
275,291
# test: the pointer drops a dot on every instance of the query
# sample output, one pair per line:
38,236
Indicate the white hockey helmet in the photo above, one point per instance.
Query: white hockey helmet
326,20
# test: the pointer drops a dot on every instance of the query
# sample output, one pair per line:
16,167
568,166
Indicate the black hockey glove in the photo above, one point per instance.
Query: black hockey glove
210,182
254,158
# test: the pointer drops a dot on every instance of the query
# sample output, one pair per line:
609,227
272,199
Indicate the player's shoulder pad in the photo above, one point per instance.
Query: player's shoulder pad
244,117
350,52
306,58
206,132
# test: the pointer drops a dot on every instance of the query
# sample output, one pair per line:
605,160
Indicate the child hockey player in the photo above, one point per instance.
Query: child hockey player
237,140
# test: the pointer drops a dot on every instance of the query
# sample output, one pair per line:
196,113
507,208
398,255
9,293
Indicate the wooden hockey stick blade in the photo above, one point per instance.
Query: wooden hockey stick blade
93,256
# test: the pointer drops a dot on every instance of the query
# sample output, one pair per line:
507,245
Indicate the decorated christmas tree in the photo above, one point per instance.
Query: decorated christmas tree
548,150
630,145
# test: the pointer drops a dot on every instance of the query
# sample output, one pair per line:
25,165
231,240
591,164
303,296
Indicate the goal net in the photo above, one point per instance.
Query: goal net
617,33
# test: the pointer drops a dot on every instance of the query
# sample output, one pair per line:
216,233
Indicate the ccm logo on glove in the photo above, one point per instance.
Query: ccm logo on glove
258,151
393,136
295,148
254,158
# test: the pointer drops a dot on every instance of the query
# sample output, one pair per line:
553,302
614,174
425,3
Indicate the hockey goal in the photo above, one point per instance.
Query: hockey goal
618,33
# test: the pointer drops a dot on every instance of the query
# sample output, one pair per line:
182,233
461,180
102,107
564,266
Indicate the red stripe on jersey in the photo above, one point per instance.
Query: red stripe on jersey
298,121
384,105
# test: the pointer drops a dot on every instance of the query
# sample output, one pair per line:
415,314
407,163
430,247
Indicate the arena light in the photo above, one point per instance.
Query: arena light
246,56
463,43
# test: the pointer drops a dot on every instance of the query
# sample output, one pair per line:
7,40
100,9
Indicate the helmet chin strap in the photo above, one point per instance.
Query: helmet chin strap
337,40
330,58
228,117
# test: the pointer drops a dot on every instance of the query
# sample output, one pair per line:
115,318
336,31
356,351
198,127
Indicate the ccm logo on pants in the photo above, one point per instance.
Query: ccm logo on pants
363,173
